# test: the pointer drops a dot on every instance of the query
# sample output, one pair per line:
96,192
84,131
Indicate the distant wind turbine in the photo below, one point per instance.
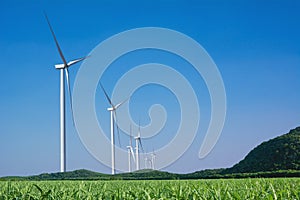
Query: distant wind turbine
148,164
153,155
63,71
137,143
130,151
113,118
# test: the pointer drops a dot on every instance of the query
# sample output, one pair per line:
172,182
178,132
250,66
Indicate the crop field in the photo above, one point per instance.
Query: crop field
277,188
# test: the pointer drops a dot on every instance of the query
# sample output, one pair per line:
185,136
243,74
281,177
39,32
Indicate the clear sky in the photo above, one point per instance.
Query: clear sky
255,45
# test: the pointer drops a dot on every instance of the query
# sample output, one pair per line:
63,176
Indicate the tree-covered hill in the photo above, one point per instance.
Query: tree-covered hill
280,153
81,174
147,174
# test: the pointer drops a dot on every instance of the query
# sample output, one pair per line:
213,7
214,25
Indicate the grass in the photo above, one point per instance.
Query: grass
258,188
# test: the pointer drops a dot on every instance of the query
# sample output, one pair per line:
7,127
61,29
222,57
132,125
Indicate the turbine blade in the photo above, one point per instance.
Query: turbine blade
139,135
153,152
107,97
139,132
140,141
70,94
56,42
119,104
132,153
72,62
130,137
118,131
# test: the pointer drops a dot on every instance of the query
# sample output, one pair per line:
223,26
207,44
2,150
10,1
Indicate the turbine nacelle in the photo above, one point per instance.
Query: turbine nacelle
60,66
111,109
72,62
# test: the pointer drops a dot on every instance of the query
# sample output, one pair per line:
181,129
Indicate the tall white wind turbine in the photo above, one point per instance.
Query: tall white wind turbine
113,118
63,72
130,152
137,143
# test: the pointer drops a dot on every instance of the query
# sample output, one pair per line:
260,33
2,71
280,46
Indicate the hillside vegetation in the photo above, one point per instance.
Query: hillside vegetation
280,153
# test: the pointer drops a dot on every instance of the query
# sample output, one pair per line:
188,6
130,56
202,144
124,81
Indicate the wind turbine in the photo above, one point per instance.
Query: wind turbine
148,162
113,118
130,152
153,155
63,72
137,142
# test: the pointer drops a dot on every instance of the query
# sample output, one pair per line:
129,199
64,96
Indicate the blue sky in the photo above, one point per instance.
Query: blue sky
255,45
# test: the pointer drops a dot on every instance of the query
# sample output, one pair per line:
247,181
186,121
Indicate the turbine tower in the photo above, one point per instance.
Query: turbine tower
153,155
130,152
113,118
137,142
63,72
147,162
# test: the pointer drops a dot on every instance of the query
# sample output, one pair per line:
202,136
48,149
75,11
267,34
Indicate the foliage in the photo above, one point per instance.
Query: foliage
147,174
280,153
155,189
155,175
81,174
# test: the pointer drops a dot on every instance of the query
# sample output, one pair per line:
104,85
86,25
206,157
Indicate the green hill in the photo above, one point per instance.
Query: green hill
280,153
147,174
81,174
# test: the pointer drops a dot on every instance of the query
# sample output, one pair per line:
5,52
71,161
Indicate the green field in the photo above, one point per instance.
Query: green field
257,188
